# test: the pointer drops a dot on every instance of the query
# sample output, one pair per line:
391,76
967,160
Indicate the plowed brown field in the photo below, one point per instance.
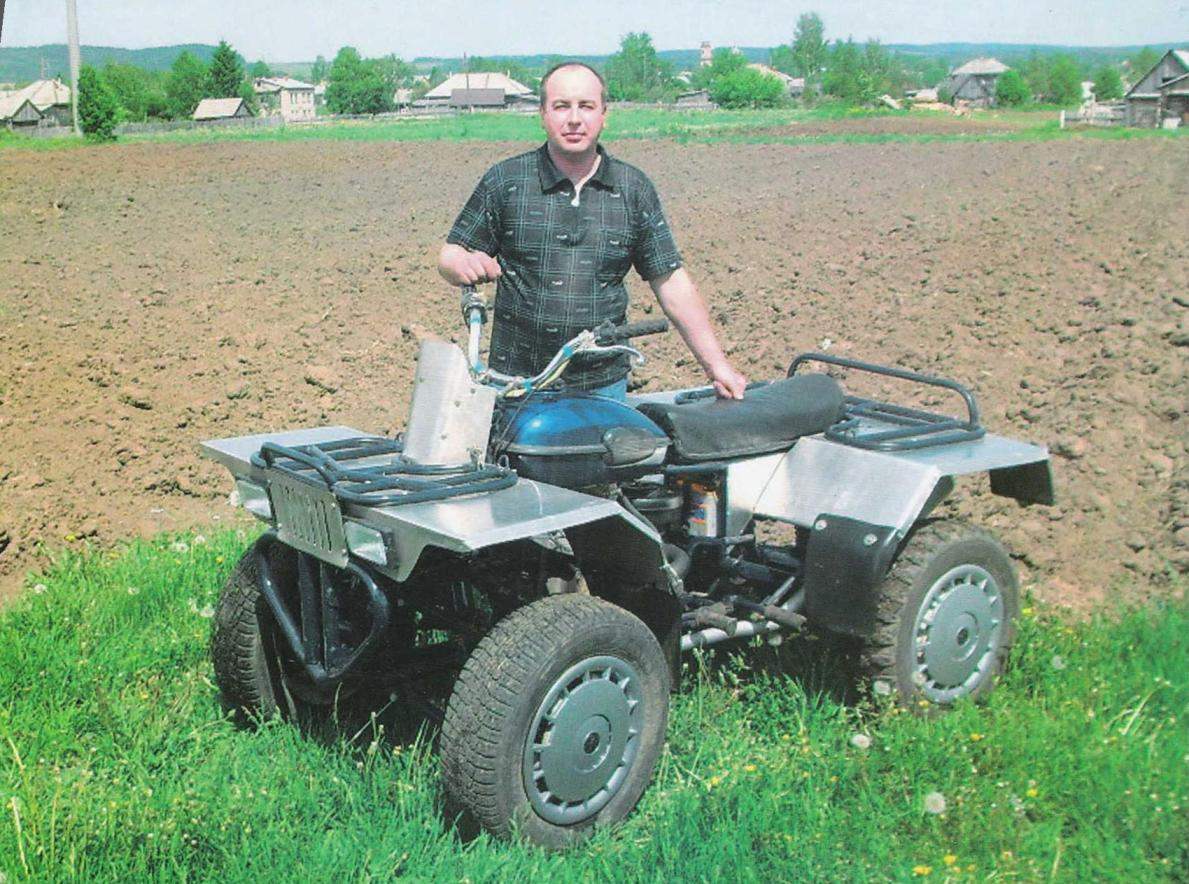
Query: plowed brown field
152,296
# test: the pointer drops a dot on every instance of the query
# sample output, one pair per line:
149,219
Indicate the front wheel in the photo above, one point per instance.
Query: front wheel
946,617
556,721
255,680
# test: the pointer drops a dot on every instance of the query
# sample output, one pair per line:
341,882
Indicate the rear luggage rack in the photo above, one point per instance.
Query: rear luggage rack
883,426
389,479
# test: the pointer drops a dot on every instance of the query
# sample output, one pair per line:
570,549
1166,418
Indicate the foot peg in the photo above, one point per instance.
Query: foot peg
784,617
715,616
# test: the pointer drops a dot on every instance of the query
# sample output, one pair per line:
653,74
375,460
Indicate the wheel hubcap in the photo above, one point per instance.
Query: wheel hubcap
958,633
583,740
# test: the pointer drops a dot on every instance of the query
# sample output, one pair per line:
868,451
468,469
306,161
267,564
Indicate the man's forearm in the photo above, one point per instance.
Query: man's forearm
679,298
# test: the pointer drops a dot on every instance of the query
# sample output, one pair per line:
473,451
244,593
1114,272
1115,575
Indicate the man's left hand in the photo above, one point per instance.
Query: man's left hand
728,383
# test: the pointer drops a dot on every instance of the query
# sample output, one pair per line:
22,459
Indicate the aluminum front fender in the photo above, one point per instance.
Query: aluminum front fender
601,529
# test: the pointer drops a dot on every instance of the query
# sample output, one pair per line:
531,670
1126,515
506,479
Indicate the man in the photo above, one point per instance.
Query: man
559,228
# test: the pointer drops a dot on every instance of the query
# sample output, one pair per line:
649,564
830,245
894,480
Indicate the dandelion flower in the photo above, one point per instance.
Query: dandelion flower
975,737
750,768
861,741
949,859
1033,792
935,803
922,871
1058,662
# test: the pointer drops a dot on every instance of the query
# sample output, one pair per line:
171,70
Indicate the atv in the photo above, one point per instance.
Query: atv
554,552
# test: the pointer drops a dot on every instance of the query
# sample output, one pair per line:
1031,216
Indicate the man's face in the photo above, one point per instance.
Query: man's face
574,112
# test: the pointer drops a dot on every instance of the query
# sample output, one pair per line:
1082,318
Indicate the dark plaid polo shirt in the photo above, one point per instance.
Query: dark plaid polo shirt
563,264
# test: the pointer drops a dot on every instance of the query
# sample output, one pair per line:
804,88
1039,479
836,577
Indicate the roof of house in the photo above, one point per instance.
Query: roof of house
43,93
1182,57
478,80
10,105
275,84
217,108
788,80
981,66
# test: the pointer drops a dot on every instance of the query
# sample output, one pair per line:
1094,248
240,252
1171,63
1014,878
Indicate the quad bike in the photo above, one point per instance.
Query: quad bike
554,552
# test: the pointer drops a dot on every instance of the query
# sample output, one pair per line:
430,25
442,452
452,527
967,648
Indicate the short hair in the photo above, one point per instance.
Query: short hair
574,64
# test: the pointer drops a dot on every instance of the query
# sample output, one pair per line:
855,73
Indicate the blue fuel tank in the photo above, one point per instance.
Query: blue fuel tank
578,439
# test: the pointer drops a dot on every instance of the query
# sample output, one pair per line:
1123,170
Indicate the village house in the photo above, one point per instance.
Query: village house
794,86
291,99
51,98
974,82
17,112
479,89
1162,94
212,109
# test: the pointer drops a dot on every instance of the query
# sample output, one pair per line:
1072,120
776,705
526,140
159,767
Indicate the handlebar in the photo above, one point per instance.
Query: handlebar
607,339
614,334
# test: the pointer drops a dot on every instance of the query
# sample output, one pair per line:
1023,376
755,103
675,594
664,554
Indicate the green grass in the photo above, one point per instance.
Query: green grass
717,126
118,764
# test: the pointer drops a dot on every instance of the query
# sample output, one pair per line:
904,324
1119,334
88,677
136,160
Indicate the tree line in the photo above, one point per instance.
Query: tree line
118,93
858,73
841,70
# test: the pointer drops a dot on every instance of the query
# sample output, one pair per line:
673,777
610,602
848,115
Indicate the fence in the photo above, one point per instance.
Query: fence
183,125
1095,114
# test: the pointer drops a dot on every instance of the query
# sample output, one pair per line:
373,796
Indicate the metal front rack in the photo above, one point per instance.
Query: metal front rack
883,426
387,478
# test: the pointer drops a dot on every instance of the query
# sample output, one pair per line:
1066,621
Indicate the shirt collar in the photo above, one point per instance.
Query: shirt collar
551,177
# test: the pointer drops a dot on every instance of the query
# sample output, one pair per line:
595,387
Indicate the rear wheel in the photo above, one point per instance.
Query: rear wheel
556,721
946,617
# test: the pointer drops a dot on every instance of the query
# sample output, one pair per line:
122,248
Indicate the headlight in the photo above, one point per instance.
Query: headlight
365,542
254,498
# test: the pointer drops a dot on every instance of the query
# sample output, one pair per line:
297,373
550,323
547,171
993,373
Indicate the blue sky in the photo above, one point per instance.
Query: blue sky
301,29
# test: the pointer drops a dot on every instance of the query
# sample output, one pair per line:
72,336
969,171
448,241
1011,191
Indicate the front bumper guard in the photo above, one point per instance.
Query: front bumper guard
311,634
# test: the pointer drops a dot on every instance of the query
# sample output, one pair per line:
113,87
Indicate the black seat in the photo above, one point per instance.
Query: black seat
767,419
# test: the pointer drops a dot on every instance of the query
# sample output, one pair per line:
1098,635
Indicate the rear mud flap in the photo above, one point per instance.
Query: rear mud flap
844,563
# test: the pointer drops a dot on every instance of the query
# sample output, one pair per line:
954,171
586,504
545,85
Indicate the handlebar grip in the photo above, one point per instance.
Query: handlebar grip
636,329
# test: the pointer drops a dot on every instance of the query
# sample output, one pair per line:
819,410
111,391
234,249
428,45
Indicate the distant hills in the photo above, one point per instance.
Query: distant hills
20,64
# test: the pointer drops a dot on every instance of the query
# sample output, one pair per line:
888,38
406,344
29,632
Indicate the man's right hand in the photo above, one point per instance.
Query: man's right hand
460,266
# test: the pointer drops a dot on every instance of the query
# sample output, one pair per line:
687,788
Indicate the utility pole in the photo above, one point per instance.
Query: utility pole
72,36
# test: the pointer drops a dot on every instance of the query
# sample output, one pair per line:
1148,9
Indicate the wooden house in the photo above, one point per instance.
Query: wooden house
974,82
1162,93
211,109
17,112
51,98
478,89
